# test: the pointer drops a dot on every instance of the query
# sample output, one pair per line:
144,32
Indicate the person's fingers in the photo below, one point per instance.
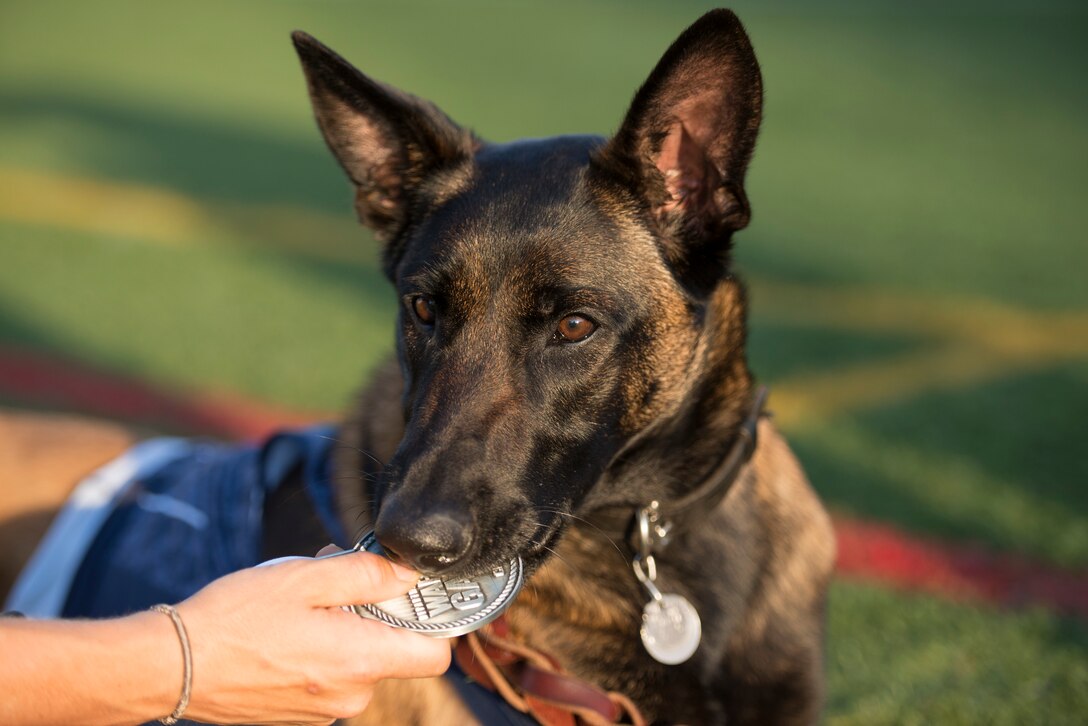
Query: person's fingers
356,577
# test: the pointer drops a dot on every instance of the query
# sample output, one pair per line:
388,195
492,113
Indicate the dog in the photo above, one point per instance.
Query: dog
571,386
571,346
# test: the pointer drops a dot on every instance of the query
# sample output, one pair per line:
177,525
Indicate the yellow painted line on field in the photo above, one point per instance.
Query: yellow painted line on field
812,397
167,217
1001,328
101,207
976,341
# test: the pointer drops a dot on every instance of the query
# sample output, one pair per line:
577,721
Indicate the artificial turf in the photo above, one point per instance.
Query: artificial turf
930,152
916,659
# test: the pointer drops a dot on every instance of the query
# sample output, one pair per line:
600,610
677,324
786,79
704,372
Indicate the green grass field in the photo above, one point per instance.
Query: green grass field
917,256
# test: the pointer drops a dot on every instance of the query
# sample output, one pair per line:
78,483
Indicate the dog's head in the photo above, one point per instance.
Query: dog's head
556,294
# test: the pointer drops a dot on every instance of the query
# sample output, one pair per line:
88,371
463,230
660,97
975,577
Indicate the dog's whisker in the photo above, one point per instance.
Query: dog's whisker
292,496
364,519
604,534
544,546
361,476
560,558
345,444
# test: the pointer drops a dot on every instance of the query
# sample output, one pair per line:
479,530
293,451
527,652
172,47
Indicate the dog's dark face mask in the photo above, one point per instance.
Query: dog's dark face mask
554,293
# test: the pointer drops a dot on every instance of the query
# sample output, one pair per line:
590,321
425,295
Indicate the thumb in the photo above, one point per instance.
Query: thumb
356,577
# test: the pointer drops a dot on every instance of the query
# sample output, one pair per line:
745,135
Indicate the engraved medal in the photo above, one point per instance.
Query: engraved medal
446,607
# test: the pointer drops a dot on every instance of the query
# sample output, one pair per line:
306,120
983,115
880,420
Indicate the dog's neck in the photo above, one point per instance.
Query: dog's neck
673,454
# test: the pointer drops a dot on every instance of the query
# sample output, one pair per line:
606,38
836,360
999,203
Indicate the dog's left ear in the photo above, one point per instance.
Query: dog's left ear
687,139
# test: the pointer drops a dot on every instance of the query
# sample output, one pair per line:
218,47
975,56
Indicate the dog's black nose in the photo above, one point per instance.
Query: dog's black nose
431,544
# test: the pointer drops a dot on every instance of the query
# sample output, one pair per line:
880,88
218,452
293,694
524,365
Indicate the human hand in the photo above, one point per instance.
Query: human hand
271,644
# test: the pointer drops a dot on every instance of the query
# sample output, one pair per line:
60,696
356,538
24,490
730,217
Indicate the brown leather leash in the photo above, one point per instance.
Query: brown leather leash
535,684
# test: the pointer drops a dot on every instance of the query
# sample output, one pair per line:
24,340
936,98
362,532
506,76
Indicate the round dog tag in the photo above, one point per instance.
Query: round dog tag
671,629
446,607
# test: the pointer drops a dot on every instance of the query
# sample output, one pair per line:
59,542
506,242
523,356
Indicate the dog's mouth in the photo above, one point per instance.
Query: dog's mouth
533,541
533,551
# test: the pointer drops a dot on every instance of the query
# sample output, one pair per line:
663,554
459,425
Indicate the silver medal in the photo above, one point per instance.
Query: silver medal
671,629
446,607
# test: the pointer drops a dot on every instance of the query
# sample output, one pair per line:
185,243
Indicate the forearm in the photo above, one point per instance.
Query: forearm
125,670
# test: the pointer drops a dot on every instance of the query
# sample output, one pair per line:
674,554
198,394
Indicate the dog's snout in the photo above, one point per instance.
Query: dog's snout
431,544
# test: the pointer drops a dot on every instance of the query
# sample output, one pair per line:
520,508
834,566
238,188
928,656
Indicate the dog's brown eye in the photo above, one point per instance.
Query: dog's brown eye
423,307
574,328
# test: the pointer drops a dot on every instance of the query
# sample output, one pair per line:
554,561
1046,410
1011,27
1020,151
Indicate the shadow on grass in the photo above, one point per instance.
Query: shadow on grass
207,160
780,350
227,283
1026,429
997,462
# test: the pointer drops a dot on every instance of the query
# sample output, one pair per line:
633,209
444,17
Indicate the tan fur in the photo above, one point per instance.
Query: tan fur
427,702
799,566
42,457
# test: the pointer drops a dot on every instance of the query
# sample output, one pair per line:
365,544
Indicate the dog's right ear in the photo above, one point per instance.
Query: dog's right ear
387,141
685,143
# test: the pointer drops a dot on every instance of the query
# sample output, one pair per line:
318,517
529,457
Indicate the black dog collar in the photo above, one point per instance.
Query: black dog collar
666,517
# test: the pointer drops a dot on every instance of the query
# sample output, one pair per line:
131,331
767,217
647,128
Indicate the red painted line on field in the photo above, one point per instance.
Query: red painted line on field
867,550
881,552
41,380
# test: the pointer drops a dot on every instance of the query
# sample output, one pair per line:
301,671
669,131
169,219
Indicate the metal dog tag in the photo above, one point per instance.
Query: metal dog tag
671,629
446,607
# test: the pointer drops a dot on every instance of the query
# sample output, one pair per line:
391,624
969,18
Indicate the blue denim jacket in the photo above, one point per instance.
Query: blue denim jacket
165,519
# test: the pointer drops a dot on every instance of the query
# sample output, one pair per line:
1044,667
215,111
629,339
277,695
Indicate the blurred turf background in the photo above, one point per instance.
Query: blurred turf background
918,254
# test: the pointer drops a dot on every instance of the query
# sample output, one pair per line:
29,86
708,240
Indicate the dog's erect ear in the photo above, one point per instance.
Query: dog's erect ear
686,141
387,141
